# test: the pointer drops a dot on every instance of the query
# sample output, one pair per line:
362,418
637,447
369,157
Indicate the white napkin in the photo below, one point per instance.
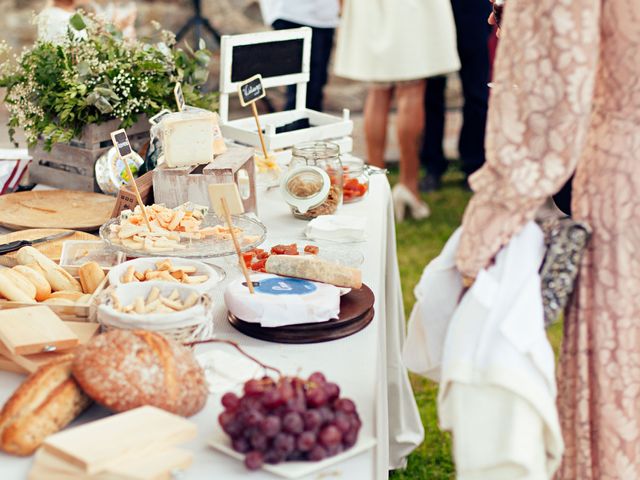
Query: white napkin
337,228
226,371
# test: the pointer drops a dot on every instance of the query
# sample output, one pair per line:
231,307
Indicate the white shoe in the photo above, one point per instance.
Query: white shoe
403,199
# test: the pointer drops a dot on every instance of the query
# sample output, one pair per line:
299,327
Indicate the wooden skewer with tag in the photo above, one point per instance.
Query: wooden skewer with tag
250,91
121,142
225,200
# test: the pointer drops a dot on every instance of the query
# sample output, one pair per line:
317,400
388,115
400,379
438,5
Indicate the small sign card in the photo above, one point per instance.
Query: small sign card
177,91
121,142
251,90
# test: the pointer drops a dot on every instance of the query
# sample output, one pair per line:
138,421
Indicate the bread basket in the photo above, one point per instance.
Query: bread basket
194,323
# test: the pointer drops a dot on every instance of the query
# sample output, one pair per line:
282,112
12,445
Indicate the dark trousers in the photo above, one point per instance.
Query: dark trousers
473,37
321,45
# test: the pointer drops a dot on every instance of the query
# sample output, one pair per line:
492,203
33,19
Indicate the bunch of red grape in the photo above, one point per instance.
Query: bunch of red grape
289,419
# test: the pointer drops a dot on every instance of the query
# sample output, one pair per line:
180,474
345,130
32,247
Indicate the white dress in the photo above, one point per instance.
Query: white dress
396,40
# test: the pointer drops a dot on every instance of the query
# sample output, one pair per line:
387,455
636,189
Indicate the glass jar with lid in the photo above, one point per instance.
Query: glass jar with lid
324,155
306,189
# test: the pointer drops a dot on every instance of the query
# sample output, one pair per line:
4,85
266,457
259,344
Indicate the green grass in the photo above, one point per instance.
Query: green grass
418,243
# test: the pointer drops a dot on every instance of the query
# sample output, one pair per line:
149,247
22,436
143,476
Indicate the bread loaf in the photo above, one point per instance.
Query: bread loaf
57,276
16,291
312,268
125,369
46,402
91,276
43,289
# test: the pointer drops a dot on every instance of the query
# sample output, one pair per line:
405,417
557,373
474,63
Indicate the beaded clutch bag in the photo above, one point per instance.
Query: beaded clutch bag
566,241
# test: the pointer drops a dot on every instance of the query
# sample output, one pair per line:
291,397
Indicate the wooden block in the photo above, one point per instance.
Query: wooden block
99,445
10,366
127,198
228,191
30,363
25,331
154,466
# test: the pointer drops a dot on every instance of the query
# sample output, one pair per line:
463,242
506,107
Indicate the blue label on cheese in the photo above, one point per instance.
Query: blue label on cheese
286,286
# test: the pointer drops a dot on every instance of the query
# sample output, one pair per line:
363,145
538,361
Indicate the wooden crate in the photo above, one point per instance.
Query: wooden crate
71,165
175,186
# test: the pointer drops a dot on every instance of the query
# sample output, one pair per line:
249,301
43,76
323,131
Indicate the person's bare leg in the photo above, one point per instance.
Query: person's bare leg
409,126
376,116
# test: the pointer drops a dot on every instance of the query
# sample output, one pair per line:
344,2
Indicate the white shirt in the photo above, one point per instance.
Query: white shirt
53,24
312,13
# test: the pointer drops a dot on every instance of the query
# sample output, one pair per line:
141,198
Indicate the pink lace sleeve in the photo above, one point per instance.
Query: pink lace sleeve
538,119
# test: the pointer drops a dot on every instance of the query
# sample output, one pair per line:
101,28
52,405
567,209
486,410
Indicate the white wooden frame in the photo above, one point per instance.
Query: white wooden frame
229,42
244,131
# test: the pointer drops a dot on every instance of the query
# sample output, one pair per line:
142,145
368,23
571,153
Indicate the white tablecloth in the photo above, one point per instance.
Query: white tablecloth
366,365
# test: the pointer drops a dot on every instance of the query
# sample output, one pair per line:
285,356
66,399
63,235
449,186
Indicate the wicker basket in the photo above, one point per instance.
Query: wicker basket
195,323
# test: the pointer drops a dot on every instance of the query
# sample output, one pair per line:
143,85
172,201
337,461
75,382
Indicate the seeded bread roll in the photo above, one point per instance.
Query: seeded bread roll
46,402
312,268
125,369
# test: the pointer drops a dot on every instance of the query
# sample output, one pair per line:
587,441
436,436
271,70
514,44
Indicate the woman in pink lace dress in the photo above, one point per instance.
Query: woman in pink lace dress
567,98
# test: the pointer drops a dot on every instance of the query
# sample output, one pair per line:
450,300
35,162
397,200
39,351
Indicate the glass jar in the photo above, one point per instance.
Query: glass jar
324,155
306,189
355,179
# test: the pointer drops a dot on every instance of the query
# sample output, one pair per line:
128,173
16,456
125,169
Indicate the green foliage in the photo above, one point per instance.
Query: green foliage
55,89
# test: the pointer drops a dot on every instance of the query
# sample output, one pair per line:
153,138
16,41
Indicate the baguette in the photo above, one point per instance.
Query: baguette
63,302
91,276
67,294
57,276
312,268
12,290
43,289
46,402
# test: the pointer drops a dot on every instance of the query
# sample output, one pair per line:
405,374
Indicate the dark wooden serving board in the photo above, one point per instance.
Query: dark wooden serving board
356,312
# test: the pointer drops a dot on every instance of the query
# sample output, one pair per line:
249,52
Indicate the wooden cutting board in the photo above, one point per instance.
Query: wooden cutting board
55,209
25,331
52,249
96,446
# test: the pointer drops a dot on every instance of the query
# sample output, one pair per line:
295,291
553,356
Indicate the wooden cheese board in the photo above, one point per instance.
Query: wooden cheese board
99,445
34,330
55,209
158,465
356,312
52,249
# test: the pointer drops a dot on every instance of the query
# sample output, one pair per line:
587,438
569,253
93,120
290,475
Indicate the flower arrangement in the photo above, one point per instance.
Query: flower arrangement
53,90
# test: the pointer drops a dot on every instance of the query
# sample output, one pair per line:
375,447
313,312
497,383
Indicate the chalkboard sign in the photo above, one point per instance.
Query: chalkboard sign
251,90
121,142
269,59
177,91
159,116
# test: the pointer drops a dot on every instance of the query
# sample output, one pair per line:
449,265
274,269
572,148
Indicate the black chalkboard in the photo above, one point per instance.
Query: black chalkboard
269,59
121,142
251,90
